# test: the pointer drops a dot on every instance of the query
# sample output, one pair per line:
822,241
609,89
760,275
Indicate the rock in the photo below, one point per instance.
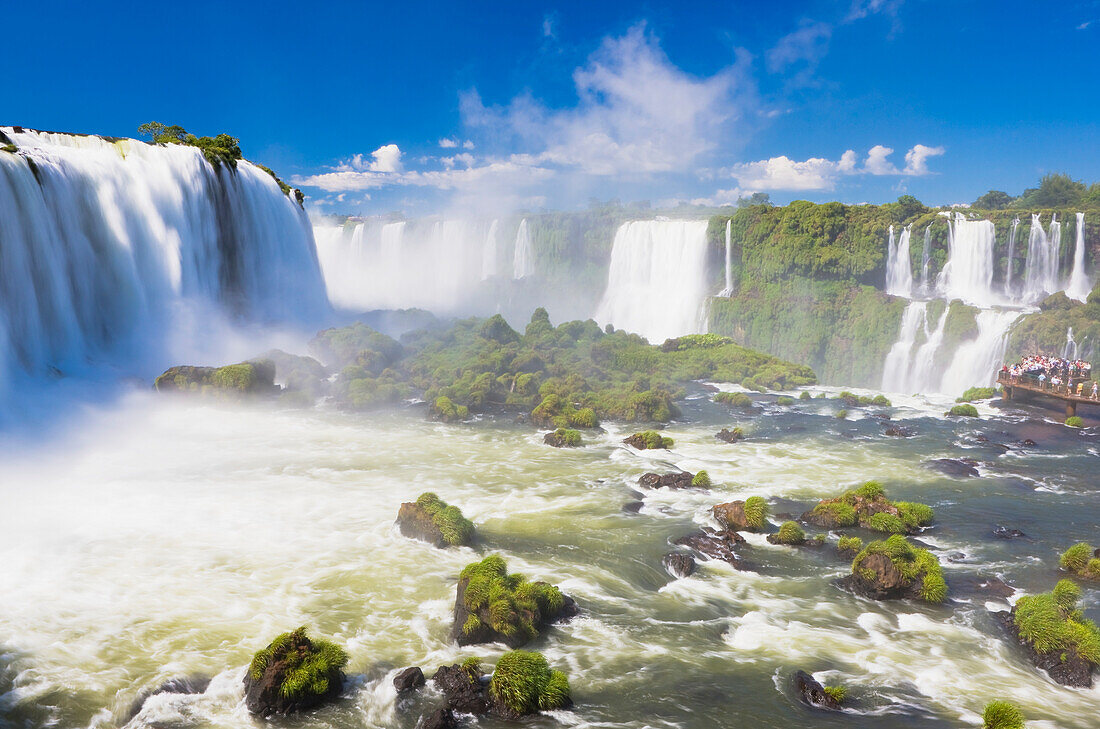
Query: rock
438,719
485,633
1002,532
562,438
887,583
633,507
730,436
194,684
954,467
237,380
732,516
898,431
263,696
462,692
1067,667
714,544
299,374
408,679
981,586
678,480
811,693
679,564
415,522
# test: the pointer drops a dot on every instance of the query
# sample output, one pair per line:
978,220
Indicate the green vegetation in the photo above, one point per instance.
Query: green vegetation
836,693
568,438
867,506
756,512
308,663
1055,190
977,393
912,563
217,150
650,440
1075,421
805,395
888,523
456,529
446,411
734,399
472,666
232,381
1002,715
849,544
701,480
790,533
963,411
514,607
842,414
861,401
1079,560
784,401
524,682
1050,622
9,148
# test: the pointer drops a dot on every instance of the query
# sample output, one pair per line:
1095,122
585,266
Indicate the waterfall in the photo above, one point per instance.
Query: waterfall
925,258
1079,286
1011,254
107,248
976,362
489,253
1041,266
656,284
523,261
899,267
968,273
895,372
728,290
1070,350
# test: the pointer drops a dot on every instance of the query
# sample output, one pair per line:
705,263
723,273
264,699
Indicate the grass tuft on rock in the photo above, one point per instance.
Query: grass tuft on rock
977,393
756,512
1075,421
1051,622
963,411
513,603
307,671
849,544
524,682
649,440
456,529
867,506
1002,715
836,693
790,533
912,562
701,480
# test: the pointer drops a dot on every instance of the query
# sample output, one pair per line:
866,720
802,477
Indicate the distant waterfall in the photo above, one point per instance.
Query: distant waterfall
657,281
728,290
105,245
1079,286
968,273
1041,267
1070,350
925,258
489,253
1011,254
523,261
899,267
437,265
895,372
975,362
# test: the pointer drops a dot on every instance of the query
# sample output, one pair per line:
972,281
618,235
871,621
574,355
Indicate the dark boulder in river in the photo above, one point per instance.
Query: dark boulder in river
432,520
266,691
954,467
714,544
1003,532
730,436
678,480
408,679
462,691
182,685
812,693
679,564
438,719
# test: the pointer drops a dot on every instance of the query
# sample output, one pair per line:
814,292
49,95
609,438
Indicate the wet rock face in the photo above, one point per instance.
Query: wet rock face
714,544
678,480
679,564
954,467
461,691
732,516
1068,667
409,679
415,522
812,693
439,719
898,431
194,684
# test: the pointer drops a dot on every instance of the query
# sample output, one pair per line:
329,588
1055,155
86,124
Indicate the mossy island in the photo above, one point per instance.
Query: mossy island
868,507
965,410
789,534
432,520
750,515
564,438
1083,560
1058,638
492,606
649,440
235,381
294,673
894,569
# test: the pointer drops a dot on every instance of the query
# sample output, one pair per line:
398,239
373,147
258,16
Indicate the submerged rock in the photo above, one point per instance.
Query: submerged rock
954,467
730,436
408,679
1003,532
194,684
677,480
812,693
679,564
714,544
633,507
898,431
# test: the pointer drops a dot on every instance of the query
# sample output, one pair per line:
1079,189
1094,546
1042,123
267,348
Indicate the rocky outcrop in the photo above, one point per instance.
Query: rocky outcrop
748,516
1067,667
1003,532
462,691
868,507
432,520
322,679
812,693
714,544
563,438
246,379
648,440
679,564
414,522
895,569
677,480
954,467
439,719
730,436
881,580
408,679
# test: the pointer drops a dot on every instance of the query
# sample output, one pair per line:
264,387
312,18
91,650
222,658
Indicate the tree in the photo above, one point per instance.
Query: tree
757,198
1056,189
909,206
993,200
160,134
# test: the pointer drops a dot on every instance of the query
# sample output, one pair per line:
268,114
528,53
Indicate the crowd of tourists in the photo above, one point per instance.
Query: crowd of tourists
1072,376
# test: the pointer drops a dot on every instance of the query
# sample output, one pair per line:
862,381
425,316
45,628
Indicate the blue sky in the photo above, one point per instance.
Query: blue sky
476,106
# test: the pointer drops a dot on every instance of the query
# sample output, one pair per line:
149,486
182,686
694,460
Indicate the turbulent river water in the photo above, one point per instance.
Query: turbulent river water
156,538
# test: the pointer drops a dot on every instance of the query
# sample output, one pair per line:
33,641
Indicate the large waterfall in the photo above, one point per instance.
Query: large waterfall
1079,285
899,267
968,273
656,284
1041,267
107,246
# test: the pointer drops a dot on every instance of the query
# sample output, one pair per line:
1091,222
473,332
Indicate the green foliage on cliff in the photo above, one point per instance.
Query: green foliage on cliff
1045,331
217,150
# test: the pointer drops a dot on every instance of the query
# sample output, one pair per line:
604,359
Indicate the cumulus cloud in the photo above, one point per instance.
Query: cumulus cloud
386,158
847,163
448,143
784,173
878,162
862,8
916,159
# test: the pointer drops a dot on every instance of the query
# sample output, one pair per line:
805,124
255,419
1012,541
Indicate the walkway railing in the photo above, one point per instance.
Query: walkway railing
1061,390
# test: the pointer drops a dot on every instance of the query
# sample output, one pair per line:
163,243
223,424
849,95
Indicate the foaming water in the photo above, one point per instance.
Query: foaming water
177,537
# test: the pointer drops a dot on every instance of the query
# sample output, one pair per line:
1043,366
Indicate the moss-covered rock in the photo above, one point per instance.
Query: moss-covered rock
649,440
849,546
737,400
245,379
868,507
294,673
1059,639
432,520
974,394
812,693
1075,421
446,411
673,480
1002,715
1083,560
523,683
750,515
965,410
789,533
726,435
893,569
563,438
494,606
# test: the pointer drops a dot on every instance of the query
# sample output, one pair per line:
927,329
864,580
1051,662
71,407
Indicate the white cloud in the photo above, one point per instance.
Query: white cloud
504,173
1085,25
847,163
447,143
863,8
807,44
784,173
548,27
463,158
877,161
386,158
916,159
467,144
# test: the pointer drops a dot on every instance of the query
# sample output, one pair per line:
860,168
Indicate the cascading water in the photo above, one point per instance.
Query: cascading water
925,258
656,284
895,371
1011,255
975,362
1041,266
489,254
1079,285
1070,350
968,273
728,290
523,261
105,246
899,267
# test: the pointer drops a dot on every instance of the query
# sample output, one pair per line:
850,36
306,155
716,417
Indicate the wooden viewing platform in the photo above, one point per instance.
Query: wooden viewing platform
1015,386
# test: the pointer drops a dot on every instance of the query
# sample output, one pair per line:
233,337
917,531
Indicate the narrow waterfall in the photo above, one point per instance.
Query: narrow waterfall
1070,350
656,284
1041,266
925,258
1079,285
489,254
899,267
895,372
728,290
523,260
1011,255
968,273
108,247
922,370
976,362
